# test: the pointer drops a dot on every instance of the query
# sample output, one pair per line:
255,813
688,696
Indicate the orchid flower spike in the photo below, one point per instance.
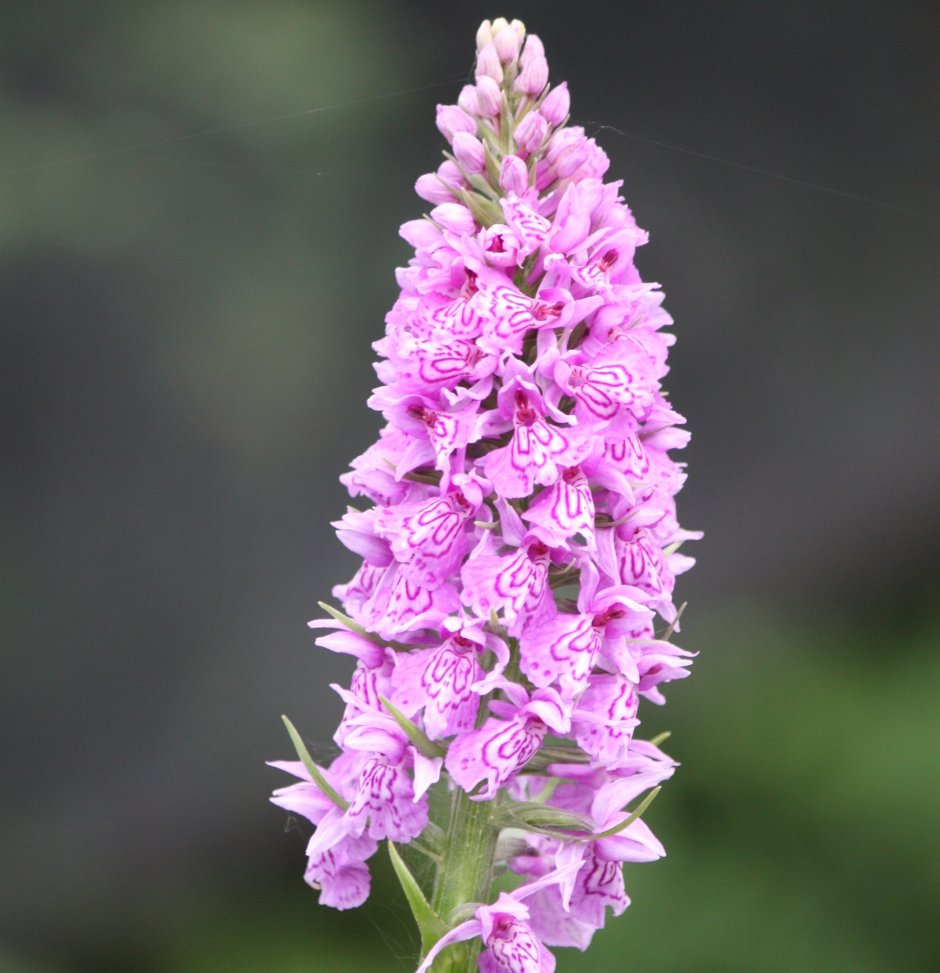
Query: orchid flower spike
516,526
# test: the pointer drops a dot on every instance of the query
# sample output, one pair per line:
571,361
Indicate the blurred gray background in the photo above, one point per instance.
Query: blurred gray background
199,207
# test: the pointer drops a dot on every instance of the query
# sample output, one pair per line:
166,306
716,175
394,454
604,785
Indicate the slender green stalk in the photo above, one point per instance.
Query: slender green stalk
465,873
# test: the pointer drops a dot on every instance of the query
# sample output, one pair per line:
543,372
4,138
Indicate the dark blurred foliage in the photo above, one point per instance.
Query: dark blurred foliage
198,216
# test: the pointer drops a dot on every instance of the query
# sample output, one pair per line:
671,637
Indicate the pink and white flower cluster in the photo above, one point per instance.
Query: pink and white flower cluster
519,546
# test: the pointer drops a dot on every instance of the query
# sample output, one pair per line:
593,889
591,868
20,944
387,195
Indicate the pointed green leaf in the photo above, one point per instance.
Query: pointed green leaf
477,181
506,122
490,138
540,817
430,925
484,211
349,623
482,187
312,768
492,164
421,742
623,824
669,631
354,626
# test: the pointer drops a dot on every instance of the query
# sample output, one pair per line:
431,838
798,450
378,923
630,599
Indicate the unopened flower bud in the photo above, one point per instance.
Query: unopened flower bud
484,35
513,176
488,64
419,233
530,132
556,105
568,161
489,97
467,99
469,152
449,173
440,186
567,151
430,187
506,40
451,119
533,49
454,217
534,77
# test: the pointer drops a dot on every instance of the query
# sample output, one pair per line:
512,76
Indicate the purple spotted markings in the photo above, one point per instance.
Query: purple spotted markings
517,530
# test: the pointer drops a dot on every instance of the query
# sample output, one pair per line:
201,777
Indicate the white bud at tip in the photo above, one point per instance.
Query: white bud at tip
507,39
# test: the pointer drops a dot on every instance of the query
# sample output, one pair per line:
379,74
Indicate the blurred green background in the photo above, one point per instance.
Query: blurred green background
199,207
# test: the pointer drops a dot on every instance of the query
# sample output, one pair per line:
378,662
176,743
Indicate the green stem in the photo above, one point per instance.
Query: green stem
465,873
